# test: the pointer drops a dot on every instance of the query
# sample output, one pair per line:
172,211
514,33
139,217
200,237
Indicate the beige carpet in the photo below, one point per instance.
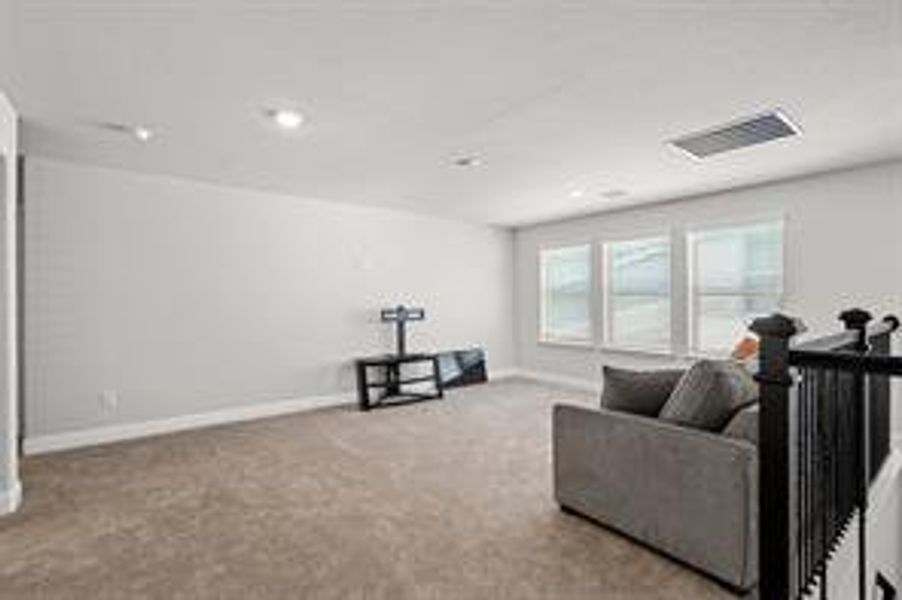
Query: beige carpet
448,499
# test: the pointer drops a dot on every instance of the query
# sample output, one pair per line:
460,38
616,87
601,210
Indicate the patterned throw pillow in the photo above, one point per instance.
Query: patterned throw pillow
709,394
638,392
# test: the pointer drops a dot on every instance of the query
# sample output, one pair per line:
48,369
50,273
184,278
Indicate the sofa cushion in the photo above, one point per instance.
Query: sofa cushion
638,392
709,394
744,424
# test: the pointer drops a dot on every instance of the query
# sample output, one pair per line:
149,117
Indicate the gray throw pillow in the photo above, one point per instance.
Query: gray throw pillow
638,392
744,424
709,394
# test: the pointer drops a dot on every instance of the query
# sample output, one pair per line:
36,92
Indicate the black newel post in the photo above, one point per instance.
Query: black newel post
857,320
775,380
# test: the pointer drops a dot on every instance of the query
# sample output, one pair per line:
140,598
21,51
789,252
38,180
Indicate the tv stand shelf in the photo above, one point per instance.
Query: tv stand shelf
385,384
392,382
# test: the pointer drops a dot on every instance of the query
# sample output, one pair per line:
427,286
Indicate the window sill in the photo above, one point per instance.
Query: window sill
571,344
691,356
655,352
710,355
592,347
687,357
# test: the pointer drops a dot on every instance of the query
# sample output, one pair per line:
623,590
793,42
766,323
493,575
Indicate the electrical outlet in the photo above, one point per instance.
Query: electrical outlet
109,400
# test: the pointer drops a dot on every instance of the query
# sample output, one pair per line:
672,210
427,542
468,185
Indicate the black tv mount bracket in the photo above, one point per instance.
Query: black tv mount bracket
399,315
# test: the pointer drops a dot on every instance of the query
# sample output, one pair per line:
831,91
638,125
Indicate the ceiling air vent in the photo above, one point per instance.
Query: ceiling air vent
751,131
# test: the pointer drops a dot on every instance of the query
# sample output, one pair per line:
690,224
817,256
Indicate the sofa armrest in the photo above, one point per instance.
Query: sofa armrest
689,493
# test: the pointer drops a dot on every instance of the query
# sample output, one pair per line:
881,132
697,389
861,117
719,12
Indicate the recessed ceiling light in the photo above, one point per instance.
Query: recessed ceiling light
467,161
139,132
286,118
142,133
578,193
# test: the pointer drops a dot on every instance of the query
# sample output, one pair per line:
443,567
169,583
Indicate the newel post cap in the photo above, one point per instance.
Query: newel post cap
777,325
855,318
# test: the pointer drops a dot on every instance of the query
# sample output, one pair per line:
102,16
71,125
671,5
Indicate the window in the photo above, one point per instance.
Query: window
736,275
694,290
566,276
637,293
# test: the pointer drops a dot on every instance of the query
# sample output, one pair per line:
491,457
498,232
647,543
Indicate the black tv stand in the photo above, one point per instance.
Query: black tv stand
392,384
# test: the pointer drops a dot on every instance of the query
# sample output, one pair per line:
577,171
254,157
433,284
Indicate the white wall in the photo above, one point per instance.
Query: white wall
10,489
843,249
186,297
8,35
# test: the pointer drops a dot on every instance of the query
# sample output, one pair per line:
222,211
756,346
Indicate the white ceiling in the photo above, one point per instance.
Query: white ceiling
552,95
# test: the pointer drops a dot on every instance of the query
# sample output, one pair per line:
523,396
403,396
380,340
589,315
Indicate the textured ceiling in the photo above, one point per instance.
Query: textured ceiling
552,96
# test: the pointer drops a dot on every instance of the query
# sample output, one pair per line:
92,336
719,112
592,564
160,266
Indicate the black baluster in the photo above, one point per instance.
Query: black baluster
815,484
857,320
801,476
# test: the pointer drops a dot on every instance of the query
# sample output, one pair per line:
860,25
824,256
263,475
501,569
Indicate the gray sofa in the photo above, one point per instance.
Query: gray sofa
689,493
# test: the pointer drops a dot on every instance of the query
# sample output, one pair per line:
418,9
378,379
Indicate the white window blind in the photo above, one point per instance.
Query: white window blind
736,274
566,290
637,293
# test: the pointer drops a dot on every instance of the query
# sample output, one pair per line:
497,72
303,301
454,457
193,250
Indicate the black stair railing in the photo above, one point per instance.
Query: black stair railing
824,434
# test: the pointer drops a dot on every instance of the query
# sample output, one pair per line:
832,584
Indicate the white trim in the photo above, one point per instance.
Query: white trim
11,499
129,431
706,224
637,350
627,351
577,345
9,426
577,383
679,291
500,374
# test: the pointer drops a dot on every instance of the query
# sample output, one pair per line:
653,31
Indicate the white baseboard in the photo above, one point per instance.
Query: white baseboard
128,431
577,383
11,499
94,436
499,374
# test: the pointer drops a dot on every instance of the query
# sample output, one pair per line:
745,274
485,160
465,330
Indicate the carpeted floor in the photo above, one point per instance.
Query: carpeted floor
448,499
